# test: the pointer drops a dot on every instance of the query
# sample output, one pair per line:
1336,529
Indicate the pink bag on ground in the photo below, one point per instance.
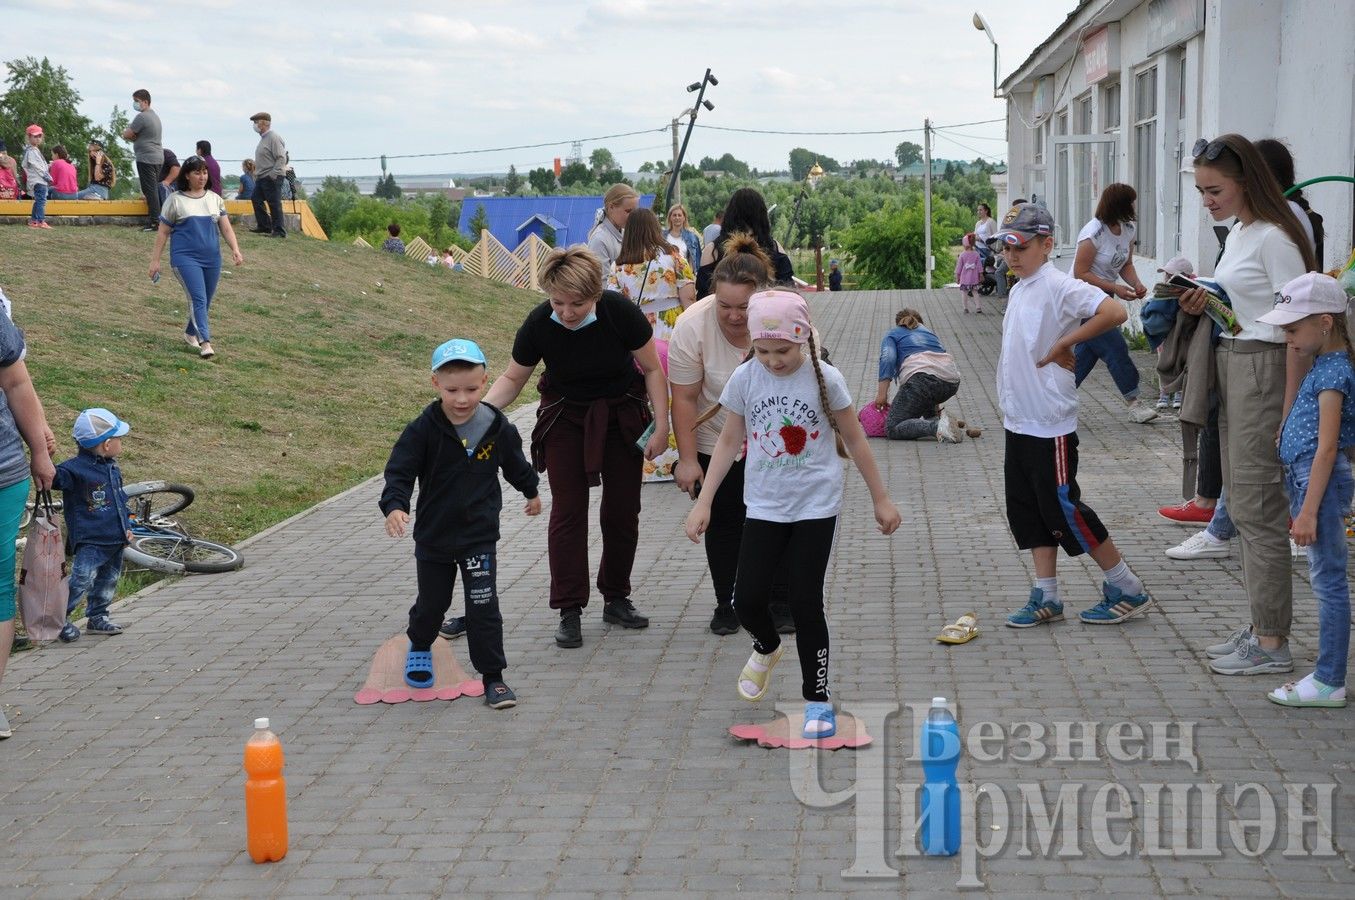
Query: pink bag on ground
44,583
872,420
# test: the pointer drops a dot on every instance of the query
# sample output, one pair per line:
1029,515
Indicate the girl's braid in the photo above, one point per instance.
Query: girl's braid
823,396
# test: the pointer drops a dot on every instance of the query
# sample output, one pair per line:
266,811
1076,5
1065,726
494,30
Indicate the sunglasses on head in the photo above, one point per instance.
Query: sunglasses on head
1210,150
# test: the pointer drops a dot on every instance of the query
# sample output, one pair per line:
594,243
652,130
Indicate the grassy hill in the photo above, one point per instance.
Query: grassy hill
322,356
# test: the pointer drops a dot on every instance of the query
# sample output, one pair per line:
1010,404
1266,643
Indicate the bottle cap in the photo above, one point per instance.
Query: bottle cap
937,703
261,724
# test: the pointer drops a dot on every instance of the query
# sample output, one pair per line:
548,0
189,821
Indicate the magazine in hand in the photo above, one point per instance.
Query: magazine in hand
1216,306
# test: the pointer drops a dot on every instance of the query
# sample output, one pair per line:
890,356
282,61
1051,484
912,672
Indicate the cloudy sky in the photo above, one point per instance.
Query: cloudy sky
350,79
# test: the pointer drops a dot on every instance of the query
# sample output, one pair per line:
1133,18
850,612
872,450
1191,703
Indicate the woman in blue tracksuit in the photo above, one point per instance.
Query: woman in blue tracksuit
913,356
193,216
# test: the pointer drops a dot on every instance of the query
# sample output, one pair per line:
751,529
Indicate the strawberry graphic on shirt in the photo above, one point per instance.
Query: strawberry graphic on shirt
793,436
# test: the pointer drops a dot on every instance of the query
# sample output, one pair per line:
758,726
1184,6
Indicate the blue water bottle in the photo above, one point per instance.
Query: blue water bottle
941,792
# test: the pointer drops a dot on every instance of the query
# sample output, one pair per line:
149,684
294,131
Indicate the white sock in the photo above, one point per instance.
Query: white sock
1209,537
1050,586
1125,580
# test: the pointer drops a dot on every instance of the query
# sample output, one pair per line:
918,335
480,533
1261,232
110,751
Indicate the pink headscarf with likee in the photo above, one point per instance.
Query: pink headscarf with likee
778,315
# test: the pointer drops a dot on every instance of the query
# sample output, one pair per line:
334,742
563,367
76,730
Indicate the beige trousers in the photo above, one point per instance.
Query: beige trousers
1251,378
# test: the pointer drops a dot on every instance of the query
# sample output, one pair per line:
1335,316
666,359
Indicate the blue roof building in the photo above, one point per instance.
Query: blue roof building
512,219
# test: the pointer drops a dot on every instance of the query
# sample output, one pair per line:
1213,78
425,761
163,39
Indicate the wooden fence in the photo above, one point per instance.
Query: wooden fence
520,267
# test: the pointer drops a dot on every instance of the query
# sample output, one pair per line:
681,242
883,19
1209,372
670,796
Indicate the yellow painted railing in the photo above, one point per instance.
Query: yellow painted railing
310,226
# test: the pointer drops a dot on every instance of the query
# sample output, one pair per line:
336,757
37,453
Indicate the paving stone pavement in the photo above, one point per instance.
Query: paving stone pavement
615,774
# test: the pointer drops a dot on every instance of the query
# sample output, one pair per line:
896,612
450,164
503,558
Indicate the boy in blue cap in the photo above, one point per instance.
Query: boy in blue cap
97,523
1048,314
455,450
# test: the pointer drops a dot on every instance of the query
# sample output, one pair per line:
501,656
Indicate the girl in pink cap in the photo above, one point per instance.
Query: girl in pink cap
797,420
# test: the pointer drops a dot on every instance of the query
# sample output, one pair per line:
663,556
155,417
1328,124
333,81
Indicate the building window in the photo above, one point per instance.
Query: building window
1082,123
1110,107
1145,158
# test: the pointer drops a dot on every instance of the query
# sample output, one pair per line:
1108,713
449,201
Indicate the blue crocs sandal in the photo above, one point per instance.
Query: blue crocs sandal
820,721
419,663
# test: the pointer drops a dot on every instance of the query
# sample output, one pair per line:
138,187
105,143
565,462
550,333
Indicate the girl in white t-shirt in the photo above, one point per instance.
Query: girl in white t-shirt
1257,381
786,410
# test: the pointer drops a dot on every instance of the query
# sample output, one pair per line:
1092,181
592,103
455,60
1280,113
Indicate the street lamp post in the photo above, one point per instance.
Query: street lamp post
673,179
982,25
699,86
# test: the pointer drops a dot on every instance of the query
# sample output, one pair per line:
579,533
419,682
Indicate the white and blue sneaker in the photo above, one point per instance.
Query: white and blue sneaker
1116,606
1037,611
104,626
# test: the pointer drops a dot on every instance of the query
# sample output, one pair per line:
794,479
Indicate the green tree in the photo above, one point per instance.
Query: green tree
611,177
387,189
369,216
513,183
334,198
726,163
542,180
802,160
907,153
575,173
479,222
439,216
887,247
601,160
42,94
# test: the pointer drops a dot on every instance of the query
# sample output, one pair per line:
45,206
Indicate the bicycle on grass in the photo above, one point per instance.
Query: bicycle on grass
160,543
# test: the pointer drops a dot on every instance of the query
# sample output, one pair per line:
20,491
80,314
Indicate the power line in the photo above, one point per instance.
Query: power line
601,137
844,133
979,153
976,137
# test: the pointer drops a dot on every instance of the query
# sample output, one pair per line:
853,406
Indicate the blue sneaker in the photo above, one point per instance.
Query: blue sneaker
69,633
1037,611
1116,607
454,627
103,625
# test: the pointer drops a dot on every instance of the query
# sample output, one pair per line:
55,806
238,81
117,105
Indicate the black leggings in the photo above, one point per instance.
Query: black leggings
484,622
800,551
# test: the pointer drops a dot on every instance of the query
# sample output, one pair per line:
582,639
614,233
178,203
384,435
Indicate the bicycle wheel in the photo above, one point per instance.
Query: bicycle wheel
178,554
166,498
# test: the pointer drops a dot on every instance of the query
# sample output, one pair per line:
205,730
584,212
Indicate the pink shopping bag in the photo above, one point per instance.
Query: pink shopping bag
44,580
872,420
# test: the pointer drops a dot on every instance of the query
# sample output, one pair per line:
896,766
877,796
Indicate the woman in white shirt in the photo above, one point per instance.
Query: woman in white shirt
1257,382
1105,254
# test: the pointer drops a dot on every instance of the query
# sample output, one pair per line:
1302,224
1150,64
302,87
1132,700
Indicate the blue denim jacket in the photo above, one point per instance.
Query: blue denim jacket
94,502
900,343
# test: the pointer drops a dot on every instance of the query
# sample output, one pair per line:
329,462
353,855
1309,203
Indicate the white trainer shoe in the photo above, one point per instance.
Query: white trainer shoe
1199,546
947,431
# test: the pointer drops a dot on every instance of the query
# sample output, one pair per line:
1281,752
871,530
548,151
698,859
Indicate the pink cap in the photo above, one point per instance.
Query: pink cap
1309,294
778,315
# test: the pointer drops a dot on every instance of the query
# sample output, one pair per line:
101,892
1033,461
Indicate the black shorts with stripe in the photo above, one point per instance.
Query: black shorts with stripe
1044,505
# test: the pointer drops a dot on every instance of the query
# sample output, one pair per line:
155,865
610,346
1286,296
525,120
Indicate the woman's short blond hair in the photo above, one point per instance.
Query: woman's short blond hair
617,194
573,270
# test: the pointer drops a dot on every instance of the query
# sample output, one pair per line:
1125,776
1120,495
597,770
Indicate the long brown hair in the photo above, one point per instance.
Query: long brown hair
908,318
744,262
643,238
1240,161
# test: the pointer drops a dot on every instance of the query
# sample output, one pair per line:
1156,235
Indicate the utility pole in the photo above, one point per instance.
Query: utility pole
677,188
927,197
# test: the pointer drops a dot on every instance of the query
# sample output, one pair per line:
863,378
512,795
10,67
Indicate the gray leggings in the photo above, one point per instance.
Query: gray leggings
912,415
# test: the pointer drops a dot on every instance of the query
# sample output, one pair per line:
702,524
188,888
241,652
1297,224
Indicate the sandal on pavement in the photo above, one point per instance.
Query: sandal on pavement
419,668
820,720
756,674
965,629
1309,692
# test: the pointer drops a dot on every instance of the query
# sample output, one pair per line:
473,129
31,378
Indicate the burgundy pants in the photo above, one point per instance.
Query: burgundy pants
620,519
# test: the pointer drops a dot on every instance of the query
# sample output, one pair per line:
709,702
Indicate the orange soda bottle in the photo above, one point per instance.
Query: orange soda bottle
265,796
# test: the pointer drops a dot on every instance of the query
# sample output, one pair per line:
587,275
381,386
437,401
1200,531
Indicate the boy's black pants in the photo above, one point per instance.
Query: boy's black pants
484,622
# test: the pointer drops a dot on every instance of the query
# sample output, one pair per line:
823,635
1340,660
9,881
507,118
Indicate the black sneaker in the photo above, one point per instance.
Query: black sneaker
454,627
622,612
69,633
500,696
724,621
781,618
570,633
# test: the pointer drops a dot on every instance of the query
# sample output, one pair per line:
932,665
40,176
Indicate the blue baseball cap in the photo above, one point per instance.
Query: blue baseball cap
94,426
1023,222
458,349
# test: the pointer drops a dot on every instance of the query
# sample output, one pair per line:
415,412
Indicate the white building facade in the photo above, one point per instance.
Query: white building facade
1121,91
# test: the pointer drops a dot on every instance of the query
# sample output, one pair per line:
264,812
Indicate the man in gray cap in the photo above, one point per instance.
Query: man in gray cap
270,167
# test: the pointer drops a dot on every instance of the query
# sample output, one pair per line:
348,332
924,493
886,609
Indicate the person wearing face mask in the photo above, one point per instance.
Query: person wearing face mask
144,133
270,168
593,411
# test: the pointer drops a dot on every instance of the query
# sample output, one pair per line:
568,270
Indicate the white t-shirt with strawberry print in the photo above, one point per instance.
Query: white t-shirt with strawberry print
792,470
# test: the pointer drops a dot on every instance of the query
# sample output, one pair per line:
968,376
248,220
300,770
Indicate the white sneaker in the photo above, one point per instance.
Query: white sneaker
1199,546
1141,414
947,431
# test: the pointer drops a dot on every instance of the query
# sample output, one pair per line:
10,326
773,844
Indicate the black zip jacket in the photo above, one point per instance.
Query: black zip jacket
459,494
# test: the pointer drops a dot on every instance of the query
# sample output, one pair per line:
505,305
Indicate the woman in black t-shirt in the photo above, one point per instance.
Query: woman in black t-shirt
593,411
